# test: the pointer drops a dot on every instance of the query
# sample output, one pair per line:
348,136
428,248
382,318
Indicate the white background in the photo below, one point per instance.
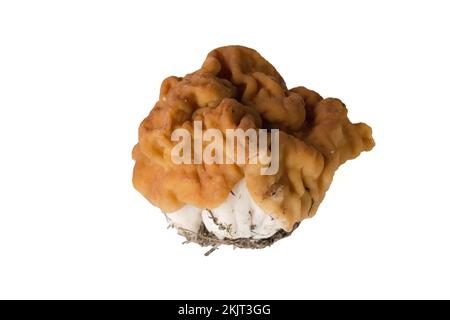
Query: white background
77,77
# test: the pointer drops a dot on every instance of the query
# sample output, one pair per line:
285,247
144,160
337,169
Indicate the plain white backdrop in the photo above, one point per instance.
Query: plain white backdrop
77,77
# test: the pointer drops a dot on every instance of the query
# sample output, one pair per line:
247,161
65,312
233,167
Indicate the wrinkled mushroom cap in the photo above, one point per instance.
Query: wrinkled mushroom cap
237,88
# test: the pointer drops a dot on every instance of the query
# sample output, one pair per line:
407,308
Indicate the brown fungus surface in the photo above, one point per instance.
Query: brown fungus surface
237,88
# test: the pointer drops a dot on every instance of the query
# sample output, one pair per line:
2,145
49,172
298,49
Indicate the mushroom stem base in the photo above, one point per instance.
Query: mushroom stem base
205,238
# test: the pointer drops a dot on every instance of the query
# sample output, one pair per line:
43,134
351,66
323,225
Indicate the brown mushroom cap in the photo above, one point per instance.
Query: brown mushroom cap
237,88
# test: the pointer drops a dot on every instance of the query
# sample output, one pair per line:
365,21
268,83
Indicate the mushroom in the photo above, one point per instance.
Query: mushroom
233,203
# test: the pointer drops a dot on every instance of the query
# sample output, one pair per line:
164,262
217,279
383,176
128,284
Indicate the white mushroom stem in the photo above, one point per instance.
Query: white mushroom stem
236,218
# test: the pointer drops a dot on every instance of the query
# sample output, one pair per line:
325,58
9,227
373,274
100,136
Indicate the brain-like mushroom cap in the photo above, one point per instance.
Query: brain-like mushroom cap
237,88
